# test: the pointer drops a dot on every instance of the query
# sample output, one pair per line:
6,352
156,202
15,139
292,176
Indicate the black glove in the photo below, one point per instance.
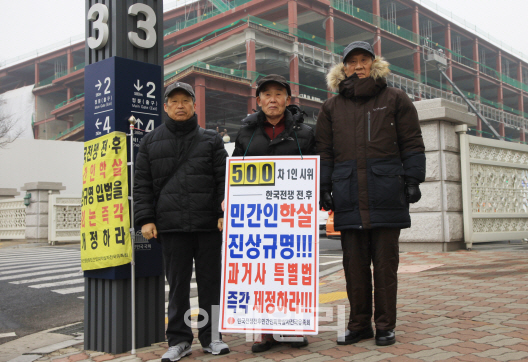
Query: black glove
412,190
326,202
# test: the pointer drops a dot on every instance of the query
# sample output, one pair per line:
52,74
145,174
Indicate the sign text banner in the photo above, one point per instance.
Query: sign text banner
271,249
105,222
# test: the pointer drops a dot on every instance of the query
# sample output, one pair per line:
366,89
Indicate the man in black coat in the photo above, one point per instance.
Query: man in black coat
178,192
372,162
276,130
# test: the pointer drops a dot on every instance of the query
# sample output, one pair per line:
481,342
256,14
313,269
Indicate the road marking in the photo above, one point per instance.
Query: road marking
58,284
26,259
40,273
331,262
5,335
40,253
69,290
46,278
38,268
25,265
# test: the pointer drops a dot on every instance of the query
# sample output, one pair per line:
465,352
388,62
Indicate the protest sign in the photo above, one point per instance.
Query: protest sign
105,221
271,247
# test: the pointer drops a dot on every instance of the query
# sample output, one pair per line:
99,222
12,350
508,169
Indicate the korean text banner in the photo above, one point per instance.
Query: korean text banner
105,223
271,249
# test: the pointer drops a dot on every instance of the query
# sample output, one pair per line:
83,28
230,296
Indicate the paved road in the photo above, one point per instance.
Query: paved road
42,287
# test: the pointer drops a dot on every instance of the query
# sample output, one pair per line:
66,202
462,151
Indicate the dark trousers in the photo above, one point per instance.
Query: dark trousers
361,248
179,250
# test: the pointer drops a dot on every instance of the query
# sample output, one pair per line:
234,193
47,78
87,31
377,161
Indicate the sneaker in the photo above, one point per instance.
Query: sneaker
300,344
265,345
175,353
356,336
217,347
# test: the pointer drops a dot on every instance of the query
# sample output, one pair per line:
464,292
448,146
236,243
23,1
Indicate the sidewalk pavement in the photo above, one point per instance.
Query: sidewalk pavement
458,306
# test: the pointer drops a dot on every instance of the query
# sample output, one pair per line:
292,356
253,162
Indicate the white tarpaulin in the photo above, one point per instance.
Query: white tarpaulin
271,249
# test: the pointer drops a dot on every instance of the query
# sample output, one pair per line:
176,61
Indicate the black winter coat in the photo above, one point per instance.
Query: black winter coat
191,200
370,143
295,136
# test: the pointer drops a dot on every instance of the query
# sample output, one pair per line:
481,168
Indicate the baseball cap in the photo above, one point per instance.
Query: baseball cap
273,78
355,45
180,85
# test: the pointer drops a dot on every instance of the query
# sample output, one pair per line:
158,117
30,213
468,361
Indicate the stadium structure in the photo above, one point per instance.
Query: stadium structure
222,47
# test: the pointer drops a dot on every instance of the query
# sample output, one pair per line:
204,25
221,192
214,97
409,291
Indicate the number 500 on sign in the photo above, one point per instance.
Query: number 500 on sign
252,174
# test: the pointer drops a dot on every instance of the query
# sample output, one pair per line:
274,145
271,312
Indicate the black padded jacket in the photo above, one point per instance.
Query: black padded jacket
297,137
191,200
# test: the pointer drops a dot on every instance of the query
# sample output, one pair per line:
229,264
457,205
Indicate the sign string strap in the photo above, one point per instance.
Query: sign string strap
298,145
247,148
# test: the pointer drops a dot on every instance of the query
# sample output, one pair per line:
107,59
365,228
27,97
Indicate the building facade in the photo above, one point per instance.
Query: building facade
222,47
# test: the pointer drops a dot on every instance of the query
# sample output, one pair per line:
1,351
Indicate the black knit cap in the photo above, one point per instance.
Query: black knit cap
273,78
358,45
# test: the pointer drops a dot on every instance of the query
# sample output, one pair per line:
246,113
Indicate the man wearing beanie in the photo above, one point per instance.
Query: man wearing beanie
178,192
276,130
372,161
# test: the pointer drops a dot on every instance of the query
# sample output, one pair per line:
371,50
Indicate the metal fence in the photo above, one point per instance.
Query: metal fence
64,218
12,219
494,189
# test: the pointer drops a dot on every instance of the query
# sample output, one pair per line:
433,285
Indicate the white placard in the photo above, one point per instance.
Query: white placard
270,259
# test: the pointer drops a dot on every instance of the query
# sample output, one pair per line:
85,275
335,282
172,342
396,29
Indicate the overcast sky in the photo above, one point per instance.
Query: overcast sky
28,25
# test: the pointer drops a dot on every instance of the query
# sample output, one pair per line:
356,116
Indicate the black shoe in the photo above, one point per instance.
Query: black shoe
265,345
385,338
300,344
356,336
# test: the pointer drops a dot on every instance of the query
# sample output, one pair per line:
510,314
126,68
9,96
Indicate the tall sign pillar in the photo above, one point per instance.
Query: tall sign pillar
123,78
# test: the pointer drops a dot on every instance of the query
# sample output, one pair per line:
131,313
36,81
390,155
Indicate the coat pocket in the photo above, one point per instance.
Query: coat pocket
388,187
344,189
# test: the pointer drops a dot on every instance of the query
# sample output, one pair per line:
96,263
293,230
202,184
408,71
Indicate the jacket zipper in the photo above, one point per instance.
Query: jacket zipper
368,126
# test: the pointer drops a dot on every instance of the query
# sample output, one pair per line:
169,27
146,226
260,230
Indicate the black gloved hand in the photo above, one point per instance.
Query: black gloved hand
326,202
412,191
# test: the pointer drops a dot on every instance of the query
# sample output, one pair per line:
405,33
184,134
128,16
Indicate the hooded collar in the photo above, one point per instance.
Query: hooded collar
353,86
181,128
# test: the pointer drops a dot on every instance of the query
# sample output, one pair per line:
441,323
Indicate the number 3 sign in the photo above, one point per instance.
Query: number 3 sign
99,15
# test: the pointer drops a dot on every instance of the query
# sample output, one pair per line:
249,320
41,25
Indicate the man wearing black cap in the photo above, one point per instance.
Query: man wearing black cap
276,130
372,161
178,192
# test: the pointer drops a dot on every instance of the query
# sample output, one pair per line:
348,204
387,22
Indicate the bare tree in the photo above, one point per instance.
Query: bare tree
8,130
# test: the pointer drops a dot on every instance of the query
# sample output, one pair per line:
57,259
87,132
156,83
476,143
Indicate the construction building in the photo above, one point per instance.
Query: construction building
222,47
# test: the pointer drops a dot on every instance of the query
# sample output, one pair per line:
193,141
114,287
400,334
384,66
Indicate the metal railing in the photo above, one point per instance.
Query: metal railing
12,219
69,130
494,189
64,218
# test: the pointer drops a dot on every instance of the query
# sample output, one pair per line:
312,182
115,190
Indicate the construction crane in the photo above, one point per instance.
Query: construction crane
438,59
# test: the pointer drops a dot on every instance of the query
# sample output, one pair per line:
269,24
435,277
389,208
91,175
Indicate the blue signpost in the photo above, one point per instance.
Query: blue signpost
123,78
116,89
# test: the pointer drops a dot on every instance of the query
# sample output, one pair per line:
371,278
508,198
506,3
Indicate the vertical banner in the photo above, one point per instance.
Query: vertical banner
105,221
270,267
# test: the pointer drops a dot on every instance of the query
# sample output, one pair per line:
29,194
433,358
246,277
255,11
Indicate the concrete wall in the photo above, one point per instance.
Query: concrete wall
436,220
26,161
